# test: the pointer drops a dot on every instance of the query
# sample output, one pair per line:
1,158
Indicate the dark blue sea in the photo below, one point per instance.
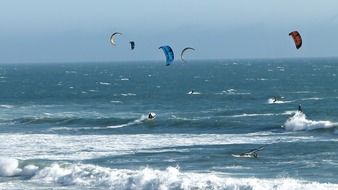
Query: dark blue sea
85,126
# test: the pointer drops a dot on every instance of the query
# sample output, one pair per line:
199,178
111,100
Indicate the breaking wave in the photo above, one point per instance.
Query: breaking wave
9,167
299,122
91,176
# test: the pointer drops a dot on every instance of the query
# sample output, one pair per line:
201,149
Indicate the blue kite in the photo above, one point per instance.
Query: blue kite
169,54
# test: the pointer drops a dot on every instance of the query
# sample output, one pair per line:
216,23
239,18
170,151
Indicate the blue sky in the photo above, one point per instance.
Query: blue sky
79,30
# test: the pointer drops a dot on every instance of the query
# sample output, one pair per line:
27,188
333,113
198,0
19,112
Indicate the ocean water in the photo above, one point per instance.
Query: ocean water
85,126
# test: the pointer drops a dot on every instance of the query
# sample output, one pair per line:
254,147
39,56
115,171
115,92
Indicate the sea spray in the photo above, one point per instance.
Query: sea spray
299,122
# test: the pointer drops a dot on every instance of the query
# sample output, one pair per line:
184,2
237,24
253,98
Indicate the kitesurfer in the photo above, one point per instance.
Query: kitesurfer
274,99
300,108
151,116
251,154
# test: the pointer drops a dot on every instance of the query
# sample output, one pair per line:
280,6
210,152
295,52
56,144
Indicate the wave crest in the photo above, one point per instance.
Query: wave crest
9,167
170,178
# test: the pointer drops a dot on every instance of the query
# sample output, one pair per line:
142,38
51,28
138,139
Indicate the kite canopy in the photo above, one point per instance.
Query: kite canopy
184,50
296,38
132,45
169,54
112,37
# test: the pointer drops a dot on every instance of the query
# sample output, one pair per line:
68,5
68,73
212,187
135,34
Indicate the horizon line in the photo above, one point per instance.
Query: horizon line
161,60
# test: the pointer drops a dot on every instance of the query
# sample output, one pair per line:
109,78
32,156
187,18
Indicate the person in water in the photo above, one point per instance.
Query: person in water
150,116
300,108
274,99
252,153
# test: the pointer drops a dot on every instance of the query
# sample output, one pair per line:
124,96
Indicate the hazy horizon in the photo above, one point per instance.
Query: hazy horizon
79,31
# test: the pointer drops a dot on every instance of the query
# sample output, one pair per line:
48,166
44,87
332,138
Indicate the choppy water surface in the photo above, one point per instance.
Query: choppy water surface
85,126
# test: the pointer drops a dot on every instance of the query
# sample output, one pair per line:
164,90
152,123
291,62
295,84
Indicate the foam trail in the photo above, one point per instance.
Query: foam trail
253,115
313,98
104,83
298,122
128,94
193,93
137,121
232,92
272,101
188,119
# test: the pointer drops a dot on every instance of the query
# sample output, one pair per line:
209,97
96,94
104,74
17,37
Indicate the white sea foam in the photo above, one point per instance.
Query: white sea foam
233,167
104,83
115,101
82,147
299,122
71,72
128,94
85,176
124,79
232,92
120,115
261,114
29,170
9,167
188,119
91,176
289,112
